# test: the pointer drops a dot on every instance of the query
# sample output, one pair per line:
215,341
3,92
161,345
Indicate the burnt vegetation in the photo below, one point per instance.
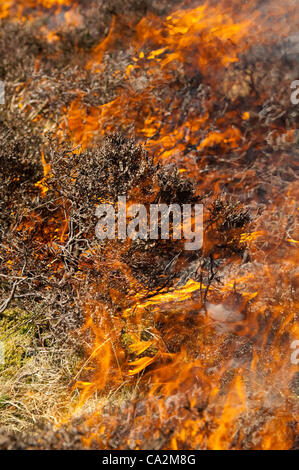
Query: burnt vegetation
50,258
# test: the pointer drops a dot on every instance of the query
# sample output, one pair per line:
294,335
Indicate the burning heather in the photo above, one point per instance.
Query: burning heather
135,342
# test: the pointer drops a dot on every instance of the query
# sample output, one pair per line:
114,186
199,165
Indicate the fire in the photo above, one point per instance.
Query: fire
201,361
212,35
24,10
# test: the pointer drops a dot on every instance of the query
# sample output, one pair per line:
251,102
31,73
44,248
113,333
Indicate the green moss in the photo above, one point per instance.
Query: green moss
126,340
17,333
4,401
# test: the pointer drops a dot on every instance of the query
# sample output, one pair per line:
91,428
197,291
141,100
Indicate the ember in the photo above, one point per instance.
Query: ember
140,342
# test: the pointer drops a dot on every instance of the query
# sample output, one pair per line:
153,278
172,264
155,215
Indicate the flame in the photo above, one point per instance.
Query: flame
46,169
174,360
205,372
213,36
29,10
